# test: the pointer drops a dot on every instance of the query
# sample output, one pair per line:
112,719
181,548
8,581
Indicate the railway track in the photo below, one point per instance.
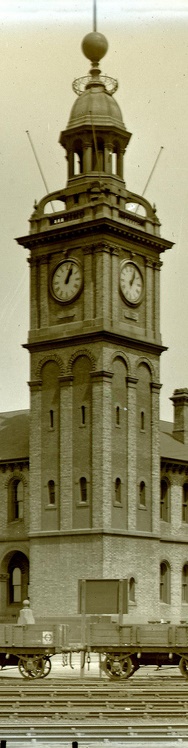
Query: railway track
96,741
94,708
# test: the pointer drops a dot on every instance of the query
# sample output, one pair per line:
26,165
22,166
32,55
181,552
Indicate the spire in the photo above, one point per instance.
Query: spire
94,15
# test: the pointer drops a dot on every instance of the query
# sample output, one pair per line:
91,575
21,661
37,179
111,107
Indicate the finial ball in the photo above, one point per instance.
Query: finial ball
94,46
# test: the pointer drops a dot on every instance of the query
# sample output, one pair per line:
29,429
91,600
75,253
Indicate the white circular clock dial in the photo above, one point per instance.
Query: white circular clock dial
131,282
67,281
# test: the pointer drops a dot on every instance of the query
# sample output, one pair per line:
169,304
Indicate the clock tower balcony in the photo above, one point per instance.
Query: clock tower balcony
94,200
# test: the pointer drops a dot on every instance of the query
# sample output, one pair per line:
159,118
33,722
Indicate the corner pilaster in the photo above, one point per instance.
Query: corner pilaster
132,449
155,457
35,508
66,452
101,448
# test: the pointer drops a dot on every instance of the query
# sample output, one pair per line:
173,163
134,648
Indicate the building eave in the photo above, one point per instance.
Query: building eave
96,336
94,227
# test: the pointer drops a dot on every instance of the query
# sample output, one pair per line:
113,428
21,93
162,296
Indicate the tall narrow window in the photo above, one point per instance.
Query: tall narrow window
15,491
164,582
51,419
51,492
83,489
114,162
16,585
132,590
142,420
118,490
77,163
18,578
185,503
117,415
83,415
185,584
164,502
142,493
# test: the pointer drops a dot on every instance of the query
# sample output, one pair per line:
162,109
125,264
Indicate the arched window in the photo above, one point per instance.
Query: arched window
51,492
78,158
18,572
135,208
164,582
114,162
15,499
185,503
83,489
117,415
142,493
185,584
164,502
118,490
132,590
51,419
16,585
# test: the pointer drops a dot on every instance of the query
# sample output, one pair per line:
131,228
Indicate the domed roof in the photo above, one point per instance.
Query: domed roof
96,106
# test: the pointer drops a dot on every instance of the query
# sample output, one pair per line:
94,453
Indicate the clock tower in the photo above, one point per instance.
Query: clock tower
95,345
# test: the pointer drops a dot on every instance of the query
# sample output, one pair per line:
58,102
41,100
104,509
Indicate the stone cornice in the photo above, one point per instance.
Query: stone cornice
35,384
91,337
14,464
101,375
64,380
132,381
93,227
174,466
155,386
94,531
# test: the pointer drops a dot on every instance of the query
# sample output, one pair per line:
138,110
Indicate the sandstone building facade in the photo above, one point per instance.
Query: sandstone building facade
92,485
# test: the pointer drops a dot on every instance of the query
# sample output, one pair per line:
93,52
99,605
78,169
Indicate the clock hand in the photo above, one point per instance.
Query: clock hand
132,279
68,275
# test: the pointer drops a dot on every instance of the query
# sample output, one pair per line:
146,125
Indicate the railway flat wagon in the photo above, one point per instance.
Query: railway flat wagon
29,647
100,626
123,648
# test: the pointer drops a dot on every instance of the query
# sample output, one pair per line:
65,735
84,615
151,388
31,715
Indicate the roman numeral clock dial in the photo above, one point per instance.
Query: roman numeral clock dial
66,282
131,283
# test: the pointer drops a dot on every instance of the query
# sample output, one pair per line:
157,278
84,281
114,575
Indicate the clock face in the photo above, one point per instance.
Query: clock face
66,281
131,282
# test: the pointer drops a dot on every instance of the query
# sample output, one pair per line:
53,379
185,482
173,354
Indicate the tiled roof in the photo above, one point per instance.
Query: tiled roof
171,448
14,435
14,438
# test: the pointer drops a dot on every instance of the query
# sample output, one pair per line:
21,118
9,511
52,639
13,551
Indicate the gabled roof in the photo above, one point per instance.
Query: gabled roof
14,435
171,448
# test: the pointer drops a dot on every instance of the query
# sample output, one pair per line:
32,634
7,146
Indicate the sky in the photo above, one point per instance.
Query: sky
40,55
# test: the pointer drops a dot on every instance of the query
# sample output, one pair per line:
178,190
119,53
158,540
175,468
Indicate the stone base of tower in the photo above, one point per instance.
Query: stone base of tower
58,563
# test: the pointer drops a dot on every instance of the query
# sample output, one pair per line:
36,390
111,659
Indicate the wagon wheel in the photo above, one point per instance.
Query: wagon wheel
47,666
118,667
22,665
183,666
31,667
